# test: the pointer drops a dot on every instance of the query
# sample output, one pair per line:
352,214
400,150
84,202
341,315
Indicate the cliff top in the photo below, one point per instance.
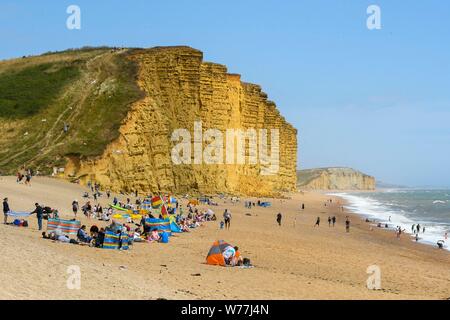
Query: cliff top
307,175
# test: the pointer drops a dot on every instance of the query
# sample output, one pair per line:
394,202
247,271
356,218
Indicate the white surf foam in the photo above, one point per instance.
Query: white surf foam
374,209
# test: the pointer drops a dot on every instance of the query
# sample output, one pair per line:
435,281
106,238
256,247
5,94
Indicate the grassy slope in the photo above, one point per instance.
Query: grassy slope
91,90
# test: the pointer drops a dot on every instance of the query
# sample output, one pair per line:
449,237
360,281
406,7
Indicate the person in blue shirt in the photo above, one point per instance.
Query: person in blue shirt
82,235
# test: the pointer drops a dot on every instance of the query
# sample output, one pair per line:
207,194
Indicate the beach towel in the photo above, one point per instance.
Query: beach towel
67,227
265,204
18,214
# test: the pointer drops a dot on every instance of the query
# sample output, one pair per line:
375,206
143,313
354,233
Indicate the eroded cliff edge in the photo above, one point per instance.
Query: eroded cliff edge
180,89
334,179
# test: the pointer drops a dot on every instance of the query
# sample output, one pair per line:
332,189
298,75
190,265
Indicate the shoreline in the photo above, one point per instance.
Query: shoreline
293,261
355,207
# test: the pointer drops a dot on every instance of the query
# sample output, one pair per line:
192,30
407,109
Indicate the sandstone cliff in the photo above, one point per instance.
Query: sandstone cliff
334,179
180,89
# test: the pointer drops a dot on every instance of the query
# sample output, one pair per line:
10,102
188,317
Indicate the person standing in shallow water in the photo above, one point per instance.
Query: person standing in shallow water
279,217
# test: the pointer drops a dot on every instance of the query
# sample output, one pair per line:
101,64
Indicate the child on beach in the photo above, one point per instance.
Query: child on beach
222,224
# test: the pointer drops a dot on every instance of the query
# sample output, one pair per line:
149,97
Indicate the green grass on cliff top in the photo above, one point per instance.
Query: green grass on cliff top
91,90
26,92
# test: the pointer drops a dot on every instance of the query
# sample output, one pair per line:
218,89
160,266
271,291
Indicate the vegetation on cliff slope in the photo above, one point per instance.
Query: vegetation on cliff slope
89,90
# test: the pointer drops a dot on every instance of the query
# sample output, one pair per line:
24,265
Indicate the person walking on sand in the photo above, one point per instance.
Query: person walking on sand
5,210
227,218
27,179
39,214
75,207
329,221
347,225
279,217
303,206
317,222
333,220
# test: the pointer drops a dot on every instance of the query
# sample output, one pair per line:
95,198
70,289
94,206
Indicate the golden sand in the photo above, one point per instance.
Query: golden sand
294,261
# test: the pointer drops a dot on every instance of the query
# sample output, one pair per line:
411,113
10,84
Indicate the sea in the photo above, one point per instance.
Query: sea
405,207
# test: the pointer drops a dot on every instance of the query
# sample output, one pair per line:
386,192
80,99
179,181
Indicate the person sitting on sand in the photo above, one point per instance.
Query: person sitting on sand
55,214
93,231
154,236
237,259
137,235
82,235
228,255
100,238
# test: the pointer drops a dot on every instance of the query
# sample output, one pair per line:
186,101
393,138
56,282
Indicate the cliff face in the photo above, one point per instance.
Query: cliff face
334,179
179,90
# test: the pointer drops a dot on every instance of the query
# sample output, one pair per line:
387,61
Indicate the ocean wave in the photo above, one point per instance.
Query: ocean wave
383,212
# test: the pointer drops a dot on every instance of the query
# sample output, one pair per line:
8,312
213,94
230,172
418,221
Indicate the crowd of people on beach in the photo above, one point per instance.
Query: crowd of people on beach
137,231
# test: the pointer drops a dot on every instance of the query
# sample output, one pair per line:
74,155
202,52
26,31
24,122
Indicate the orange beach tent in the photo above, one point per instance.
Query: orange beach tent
215,254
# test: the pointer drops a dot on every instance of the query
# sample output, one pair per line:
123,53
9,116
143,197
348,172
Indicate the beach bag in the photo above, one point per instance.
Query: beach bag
16,222
25,223
165,237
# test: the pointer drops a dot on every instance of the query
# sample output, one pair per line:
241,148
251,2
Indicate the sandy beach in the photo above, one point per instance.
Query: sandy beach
294,261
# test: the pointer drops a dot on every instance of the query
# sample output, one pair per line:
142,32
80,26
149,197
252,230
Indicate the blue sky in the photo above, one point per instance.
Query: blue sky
375,100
